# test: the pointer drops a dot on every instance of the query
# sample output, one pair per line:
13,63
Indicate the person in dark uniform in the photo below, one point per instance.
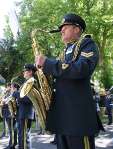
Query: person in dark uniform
26,115
16,95
5,110
108,101
10,119
72,113
96,98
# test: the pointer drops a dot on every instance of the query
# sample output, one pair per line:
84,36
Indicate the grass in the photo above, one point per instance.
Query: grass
1,127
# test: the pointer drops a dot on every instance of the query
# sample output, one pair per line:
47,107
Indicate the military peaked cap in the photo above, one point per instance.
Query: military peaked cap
16,85
74,20
28,67
71,19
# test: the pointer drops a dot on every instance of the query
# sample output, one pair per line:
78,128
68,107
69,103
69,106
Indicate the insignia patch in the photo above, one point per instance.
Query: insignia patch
87,54
70,49
64,66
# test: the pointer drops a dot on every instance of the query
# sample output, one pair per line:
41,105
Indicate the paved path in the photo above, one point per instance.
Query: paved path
103,141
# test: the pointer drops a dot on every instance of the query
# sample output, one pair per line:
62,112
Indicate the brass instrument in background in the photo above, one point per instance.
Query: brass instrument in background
1,98
2,102
39,91
12,105
11,102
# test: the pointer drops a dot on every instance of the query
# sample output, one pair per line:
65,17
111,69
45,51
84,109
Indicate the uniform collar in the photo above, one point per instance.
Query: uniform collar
71,43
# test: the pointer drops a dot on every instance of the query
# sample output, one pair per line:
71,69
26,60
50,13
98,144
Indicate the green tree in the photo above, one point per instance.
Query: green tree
48,14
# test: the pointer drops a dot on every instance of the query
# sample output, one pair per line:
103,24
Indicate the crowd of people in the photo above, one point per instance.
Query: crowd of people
73,115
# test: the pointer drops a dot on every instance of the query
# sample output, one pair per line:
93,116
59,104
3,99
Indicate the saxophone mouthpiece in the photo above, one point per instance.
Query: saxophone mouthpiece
54,31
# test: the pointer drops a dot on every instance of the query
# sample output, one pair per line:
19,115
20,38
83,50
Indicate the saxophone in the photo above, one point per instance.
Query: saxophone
39,91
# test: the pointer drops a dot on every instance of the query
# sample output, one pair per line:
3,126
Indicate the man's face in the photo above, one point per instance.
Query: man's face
8,88
27,74
13,88
69,33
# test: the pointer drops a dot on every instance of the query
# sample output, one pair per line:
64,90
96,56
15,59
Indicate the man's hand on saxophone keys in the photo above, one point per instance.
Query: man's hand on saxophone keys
39,61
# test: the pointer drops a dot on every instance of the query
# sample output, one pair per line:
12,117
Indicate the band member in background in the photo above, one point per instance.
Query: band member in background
16,96
72,113
29,72
10,119
96,98
26,115
108,102
4,109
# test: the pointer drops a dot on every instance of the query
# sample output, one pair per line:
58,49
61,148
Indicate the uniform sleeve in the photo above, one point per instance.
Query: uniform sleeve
16,95
83,67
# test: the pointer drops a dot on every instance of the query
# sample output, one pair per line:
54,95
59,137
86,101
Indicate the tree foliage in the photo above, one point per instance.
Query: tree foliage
47,15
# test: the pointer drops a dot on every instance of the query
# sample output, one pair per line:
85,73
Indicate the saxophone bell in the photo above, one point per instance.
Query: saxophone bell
27,87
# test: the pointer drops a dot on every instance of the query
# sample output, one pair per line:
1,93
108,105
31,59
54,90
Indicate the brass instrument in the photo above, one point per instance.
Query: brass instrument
45,88
1,104
34,94
11,102
1,98
39,92
2,101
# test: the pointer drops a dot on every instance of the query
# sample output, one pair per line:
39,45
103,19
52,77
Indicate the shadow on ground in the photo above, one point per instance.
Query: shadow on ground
42,141
103,141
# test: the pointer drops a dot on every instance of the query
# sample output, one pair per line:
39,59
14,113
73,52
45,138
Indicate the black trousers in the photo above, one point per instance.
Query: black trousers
4,126
109,112
12,129
72,142
24,126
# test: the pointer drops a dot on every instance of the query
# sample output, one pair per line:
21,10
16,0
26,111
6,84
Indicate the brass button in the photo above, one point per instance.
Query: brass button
54,80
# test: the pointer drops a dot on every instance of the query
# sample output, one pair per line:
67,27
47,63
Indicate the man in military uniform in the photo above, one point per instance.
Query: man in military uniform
72,113
26,113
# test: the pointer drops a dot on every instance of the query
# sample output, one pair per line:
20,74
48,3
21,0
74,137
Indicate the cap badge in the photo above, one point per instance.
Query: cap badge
63,20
